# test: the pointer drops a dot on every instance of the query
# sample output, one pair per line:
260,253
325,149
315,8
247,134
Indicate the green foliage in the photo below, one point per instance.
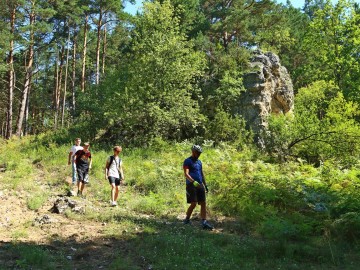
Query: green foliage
322,127
347,226
36,200
332,42
154,91
223,82
36,257
225,128
121,263
292,210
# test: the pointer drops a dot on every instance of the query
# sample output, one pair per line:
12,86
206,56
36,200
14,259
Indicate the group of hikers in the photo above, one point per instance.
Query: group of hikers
196,188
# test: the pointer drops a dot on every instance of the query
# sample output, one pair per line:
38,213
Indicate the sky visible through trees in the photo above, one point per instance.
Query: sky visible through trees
296,3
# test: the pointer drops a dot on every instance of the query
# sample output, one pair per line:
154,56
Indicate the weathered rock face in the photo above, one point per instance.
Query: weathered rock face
269,90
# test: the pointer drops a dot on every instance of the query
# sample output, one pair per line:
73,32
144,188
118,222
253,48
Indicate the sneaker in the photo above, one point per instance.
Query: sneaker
206,226
186,221
113,204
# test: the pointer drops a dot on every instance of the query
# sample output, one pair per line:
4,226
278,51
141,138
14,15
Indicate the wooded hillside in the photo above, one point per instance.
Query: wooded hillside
283,196
175,70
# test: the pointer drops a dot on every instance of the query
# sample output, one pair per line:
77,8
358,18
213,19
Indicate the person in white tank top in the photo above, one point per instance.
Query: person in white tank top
114,173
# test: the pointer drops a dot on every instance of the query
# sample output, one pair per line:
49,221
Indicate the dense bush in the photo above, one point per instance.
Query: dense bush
322,127
291,200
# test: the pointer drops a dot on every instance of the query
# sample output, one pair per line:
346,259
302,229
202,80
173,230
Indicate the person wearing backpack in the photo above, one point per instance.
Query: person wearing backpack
195,186
114,173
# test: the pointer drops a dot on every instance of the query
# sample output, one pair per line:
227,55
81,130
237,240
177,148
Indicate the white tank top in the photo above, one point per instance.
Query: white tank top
114,167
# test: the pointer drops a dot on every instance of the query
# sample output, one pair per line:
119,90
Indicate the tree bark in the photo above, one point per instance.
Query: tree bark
99,25
58,96
56,90
28,76
11,74
65,81
74,74
104,49
84,55
26,128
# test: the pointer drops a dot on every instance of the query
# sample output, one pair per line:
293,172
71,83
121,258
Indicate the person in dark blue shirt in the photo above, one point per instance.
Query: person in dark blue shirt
195,186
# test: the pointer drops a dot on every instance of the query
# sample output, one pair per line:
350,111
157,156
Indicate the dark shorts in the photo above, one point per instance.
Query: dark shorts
82,174
113,180
195,194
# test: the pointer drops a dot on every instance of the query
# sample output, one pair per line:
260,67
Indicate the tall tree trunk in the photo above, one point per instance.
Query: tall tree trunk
104,50
28,76
11,75
65,82
74,74
58,96
56,90
26,128
99,24
84,55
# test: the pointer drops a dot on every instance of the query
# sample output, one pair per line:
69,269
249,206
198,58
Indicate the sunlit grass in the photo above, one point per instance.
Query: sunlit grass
36,200
268,208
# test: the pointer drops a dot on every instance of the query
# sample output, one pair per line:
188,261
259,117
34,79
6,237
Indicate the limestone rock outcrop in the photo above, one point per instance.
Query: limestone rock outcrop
269,90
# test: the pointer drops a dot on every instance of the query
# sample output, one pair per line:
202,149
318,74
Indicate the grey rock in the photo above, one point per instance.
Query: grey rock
45,219
71,193
269,90
64,203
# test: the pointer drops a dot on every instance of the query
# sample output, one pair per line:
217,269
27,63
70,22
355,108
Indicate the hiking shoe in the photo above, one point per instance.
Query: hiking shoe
113,204
206,226
186,221
79,193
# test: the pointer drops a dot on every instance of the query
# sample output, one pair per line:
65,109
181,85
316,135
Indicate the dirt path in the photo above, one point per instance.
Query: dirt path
80,243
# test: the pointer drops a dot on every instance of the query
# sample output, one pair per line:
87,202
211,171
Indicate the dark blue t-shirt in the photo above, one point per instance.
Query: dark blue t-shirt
195,169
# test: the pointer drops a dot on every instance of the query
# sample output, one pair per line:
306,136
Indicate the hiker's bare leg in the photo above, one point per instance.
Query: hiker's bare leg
190,209
82,187
116,193
203,210
113,192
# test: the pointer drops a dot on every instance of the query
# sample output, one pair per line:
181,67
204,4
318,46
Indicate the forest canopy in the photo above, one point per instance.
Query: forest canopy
174,71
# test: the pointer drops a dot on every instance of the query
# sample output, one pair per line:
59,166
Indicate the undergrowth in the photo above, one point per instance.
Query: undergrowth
293,214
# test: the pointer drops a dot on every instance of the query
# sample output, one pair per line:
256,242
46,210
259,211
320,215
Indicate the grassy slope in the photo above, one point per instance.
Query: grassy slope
266,215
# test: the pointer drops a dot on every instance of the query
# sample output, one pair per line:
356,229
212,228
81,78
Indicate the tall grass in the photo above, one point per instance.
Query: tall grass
285,211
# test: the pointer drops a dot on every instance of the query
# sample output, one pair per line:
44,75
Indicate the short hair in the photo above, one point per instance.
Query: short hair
86,144
77,139
117,148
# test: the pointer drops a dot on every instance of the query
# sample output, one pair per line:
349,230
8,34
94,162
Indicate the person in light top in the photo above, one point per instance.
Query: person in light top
114,173
76,147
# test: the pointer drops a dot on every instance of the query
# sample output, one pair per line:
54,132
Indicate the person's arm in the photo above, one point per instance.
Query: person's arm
203,177
187,175
69,159
122,176
75,156
106,169
90,162
203,180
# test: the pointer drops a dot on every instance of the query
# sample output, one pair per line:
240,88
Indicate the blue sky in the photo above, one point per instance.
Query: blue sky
296,3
